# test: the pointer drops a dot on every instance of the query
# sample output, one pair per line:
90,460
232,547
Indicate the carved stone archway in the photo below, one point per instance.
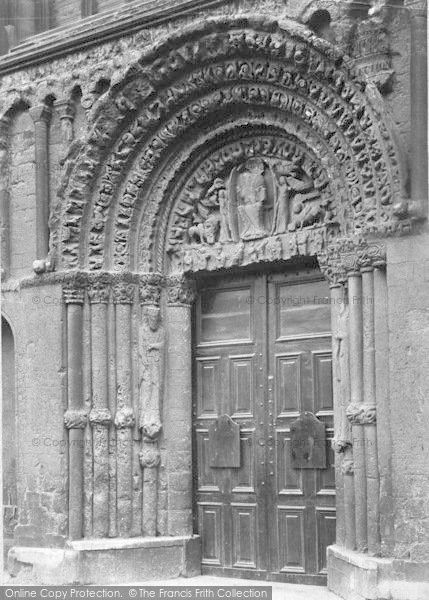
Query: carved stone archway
238,141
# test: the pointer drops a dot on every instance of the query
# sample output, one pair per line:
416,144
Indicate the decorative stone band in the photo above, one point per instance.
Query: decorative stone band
151,430
75,419
180,291
123,293
347,467
100,416
339,445
73,295
150,456
362,414
150,287
124,417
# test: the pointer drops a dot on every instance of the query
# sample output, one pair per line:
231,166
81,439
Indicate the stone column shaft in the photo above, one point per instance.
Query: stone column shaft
179,407
152,347
124,418
370,433
337,297
419,107
41,116
75,417
4,198
67,111
384,438
356,385
100,416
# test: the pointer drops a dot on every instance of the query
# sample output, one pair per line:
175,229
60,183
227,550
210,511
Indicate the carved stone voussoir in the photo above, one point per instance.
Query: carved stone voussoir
150,457
361,414
124,417
100,416
150,288
180,291
75,419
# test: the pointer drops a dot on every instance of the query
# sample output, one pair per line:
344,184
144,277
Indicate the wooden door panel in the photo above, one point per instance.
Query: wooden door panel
242,375
244,478
292,530
244,535
208,376
325,522
264,363
210,518
322,377
287,376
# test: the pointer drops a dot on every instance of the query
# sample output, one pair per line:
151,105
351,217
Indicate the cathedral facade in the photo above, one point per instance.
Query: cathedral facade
215,288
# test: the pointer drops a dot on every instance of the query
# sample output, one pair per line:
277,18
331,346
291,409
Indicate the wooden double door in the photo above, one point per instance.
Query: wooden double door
262,356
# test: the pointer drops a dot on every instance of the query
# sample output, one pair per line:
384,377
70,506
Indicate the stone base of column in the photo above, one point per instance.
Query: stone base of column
356,576
108,561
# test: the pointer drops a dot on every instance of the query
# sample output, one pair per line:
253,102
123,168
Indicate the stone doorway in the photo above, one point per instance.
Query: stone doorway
262,356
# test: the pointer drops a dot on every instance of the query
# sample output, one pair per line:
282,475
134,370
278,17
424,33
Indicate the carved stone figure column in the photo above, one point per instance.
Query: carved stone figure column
41,116
384,439
4,198
368,415
100,417
355,407
67,112
75,418
419,104
342,442
338,443
152,348
123,295
180,296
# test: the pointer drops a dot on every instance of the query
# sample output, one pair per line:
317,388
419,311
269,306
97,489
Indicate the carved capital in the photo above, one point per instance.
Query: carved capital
150,288
180,291
75,419
361,414
100,416
123,293
150,457
66,109
40,113
99,293
73,295
124,417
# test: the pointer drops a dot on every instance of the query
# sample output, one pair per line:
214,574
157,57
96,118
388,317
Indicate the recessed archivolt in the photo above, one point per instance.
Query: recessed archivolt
211,74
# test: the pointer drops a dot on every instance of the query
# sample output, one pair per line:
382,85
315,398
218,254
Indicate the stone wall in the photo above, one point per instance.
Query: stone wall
408,289
36,318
